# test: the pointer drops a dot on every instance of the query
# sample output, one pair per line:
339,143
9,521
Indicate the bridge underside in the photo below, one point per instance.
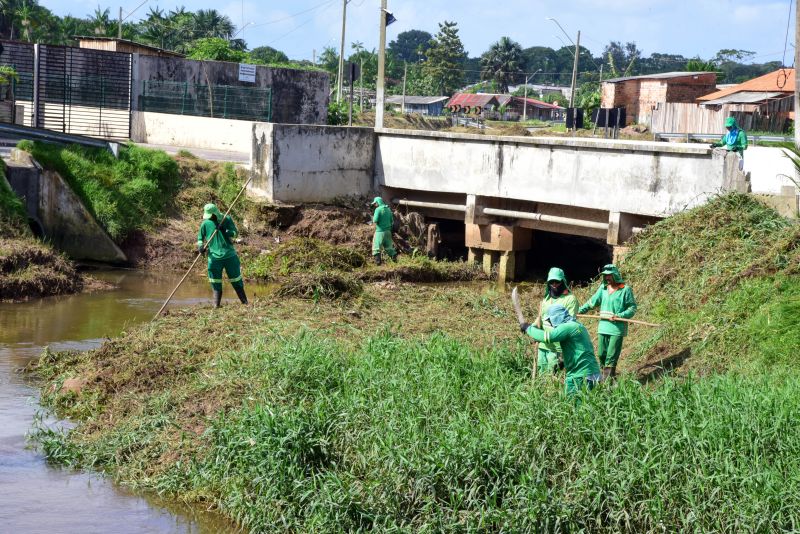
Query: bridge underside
498,232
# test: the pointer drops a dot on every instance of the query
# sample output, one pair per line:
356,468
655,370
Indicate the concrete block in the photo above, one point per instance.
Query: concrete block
489,261
497,237
506,268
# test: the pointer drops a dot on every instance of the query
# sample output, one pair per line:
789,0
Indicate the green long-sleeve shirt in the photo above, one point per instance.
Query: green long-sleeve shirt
734,141
221,246
620,302
569,301
383,218
576,347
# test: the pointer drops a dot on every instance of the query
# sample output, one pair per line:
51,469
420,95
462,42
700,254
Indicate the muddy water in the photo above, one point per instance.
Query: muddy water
35,497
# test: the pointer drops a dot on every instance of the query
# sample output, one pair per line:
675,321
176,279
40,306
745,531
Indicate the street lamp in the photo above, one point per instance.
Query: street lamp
240,30
525,98
575,62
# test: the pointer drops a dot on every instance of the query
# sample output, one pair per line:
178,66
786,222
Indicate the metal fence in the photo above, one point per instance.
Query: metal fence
66,89
220,101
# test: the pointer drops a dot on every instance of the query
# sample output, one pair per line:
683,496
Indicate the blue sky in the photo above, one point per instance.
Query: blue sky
696,27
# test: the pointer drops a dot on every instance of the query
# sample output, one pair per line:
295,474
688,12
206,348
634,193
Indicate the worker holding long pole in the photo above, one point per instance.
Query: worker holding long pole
215,236
616,301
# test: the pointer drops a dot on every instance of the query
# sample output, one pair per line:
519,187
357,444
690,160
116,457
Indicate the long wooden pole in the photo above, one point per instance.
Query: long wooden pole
633,321
200,254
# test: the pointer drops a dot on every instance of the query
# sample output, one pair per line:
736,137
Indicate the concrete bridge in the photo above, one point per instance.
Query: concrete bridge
504,189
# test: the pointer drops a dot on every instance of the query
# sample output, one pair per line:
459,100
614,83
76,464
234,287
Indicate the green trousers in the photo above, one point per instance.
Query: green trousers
232,268
608,349
575,384
548,361
383,239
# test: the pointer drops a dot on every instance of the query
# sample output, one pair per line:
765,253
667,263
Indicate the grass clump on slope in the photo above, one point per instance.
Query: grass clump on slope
125,194
724,279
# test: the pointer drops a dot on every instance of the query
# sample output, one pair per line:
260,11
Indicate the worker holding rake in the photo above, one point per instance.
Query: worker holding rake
616,301
382,239
216,236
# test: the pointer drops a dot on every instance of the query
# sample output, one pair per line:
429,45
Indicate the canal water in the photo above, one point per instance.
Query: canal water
36,497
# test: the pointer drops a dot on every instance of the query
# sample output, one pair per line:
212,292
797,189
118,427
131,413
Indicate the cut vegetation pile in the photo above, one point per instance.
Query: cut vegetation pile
414,410
28,269
310,268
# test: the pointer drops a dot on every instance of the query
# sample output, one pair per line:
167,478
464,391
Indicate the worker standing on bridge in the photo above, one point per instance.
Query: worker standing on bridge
221,254
733,141
616,301
556,292
383,220
576,345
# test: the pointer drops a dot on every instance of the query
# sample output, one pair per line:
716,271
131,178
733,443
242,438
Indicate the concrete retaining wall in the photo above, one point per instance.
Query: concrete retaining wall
189,131
769,169
66,223
299,163
643,178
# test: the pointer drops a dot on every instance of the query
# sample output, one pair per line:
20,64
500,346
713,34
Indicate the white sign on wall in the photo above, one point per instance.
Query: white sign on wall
247,73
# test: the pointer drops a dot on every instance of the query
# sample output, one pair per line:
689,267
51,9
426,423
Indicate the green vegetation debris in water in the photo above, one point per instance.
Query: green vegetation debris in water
413,409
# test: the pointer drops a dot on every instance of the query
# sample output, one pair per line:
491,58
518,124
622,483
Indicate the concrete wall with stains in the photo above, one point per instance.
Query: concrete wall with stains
304,163
191,132
298,96
635,177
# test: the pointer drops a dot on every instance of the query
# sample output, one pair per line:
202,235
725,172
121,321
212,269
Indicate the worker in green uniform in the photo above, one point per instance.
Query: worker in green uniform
576,346
383,220
616,301
733,141
221,254
556,292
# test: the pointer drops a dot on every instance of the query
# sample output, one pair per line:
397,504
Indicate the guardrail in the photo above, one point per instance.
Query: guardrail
699,137
26,132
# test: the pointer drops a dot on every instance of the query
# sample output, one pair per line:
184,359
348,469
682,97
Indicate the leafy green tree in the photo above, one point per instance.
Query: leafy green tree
445,59
267,55
101,22
410,45
215,49
211,23
541,58
502,63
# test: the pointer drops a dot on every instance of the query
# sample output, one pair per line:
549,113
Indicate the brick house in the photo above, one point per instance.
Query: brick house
639,95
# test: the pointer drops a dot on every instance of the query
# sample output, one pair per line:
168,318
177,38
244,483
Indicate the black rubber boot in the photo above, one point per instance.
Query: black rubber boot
606,374
614,372
377,259
394,258
241,294
217,298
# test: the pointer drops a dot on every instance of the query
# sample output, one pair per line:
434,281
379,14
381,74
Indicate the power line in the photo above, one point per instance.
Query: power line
295,14
786,39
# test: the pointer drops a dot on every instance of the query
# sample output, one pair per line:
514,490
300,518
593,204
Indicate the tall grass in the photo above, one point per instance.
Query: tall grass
13,217
432,435
125,194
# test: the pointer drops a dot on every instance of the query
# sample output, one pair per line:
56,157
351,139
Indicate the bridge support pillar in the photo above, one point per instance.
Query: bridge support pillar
498,245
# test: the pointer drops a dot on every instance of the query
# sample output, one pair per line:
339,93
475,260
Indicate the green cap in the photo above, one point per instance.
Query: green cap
730,122
211,209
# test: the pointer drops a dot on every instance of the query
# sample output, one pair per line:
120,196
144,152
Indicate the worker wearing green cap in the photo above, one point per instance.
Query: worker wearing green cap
556,292
383,220
733,141
216,237
616,301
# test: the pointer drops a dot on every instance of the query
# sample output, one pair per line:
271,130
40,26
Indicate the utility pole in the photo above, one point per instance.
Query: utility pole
405,72
575,71
119,31
361,84
314,56
796,78
381,68
341,53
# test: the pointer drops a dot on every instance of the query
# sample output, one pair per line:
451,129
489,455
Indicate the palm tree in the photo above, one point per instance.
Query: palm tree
502,62
211,23
101,21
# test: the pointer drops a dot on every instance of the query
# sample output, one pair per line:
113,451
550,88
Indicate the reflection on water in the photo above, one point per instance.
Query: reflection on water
35,497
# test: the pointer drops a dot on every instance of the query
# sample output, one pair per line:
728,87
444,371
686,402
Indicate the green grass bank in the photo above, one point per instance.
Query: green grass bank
412,409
